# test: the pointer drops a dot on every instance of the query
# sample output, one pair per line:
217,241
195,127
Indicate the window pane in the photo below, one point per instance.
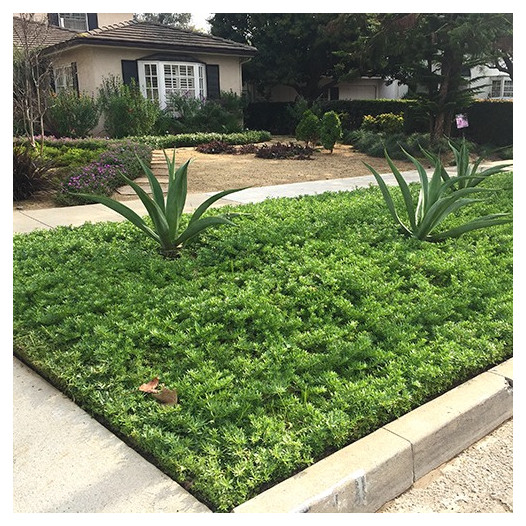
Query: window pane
508,88
495,88
76,21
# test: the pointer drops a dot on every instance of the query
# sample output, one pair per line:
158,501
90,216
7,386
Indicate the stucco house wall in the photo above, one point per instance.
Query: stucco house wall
94,64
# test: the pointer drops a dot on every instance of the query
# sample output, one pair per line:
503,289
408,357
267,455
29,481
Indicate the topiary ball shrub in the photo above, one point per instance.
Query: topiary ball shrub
308,129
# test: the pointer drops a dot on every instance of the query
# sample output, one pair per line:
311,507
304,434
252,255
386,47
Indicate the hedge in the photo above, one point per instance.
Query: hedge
194,139
277,117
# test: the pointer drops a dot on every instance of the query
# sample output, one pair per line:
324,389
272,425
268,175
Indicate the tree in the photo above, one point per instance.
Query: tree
31,75
180,20
294,49
431,53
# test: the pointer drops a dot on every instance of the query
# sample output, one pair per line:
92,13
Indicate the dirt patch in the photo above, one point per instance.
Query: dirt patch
215,172
212,172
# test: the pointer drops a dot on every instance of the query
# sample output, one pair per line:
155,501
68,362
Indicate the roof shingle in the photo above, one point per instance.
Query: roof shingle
156,36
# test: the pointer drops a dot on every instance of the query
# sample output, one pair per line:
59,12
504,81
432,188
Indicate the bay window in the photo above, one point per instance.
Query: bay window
158,80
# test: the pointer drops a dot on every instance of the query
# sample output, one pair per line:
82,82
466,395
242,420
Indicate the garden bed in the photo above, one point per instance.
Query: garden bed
305,328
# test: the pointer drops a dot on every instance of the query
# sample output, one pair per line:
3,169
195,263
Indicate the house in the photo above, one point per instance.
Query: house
86,48
492,83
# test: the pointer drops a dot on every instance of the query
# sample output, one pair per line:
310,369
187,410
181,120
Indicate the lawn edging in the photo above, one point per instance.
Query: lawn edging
365,475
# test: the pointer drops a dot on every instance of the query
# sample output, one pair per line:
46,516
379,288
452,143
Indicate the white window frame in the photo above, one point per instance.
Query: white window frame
500,88
158,79
63,77
63,17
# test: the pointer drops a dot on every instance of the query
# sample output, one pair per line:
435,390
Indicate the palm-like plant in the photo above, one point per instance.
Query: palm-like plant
166,214
439,197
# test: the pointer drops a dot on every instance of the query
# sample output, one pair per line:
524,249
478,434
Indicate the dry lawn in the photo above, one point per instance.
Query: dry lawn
216,172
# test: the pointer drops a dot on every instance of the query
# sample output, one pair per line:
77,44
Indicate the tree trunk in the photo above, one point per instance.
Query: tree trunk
451,68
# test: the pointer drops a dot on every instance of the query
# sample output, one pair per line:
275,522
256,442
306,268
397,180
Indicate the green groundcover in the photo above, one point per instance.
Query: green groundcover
304,328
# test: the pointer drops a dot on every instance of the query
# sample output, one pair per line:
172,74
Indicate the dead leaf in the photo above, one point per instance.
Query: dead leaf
150,387
166,396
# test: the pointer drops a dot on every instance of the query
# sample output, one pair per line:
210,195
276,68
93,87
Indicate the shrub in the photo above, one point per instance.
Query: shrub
128,155
104,175
308,129
30,172
126,112
70,156
331,130
388,123
247,149
194,139
284,151
376,144
186,114
72,115
215,147
95,178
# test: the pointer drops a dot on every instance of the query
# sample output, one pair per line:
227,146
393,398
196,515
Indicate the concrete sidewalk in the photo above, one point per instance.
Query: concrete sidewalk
28,220
65,461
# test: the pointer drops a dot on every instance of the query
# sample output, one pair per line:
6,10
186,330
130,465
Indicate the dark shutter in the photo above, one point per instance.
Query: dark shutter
53,19
52,80
93,21
130,72
334,94
212,81
75,77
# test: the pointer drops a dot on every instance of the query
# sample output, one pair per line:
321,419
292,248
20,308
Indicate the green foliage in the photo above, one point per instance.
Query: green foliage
71,115
307,327
194,139
126,112
31,173
186,114
376,144
70,156
440,197
330,130
308,128
389,123
166,214
102,175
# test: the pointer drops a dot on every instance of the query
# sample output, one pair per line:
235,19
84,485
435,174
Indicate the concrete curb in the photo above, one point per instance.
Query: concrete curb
365,475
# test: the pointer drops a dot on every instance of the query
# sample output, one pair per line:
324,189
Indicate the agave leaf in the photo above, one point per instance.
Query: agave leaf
176,198
440,211
404,188
435,161
198,226
203,207
155,187
388,199
154,211
423,197
476,224
124,211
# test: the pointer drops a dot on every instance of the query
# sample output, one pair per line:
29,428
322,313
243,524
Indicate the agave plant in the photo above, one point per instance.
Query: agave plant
463,166
439,197
166,214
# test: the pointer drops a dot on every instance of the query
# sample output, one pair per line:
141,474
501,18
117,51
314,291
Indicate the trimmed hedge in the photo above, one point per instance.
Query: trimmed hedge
490,122
195,139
